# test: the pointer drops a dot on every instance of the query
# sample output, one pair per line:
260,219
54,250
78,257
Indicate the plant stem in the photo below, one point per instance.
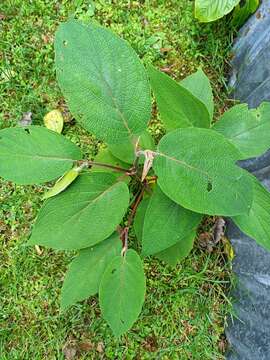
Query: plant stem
94,163
125,231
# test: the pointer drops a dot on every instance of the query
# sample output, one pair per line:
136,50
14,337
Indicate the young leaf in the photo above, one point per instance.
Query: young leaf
248,130
177,106
54,121
196,168
211,10
165,223
83,215
63,182
35,155
85,272
126,150
199,85
256,224
103,80
122,291
106,157
139,217
179,251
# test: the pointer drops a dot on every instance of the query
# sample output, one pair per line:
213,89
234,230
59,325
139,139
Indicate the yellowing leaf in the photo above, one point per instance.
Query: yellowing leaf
54,121
63,182
228,249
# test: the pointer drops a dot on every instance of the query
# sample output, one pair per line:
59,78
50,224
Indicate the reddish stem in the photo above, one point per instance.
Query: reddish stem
125,231
116,168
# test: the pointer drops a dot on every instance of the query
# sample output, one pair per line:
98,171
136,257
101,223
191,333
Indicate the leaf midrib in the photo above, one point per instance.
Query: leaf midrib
173,208
95,262
116,107
90,203
183,163
82,209
39,157
248,130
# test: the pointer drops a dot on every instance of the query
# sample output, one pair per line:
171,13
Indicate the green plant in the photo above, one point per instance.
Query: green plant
243,10
164,189
211,10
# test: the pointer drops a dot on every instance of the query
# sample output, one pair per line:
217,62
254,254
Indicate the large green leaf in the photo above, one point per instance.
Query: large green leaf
199,85
122,291
166,223
139,217
35,154
211,10
83,215
242,12
256,224
179,251
196,168
246,129
103,80
178,107
85,272
126,150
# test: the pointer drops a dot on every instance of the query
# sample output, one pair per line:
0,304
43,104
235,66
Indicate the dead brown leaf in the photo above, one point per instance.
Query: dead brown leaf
47,38
222,344
150,343
86,346
62,106
209,239
188,328
100,347
167,70
69,351
218,230
205,240
165,49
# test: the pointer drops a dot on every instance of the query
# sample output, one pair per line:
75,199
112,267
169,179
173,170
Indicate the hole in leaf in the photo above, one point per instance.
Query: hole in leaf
209,186
65,42
27,131
113,271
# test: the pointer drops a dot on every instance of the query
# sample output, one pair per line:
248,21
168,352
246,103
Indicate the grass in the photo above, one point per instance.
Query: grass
184,313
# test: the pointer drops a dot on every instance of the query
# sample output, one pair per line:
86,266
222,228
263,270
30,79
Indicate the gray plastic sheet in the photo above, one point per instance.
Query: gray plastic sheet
249,333
251,62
